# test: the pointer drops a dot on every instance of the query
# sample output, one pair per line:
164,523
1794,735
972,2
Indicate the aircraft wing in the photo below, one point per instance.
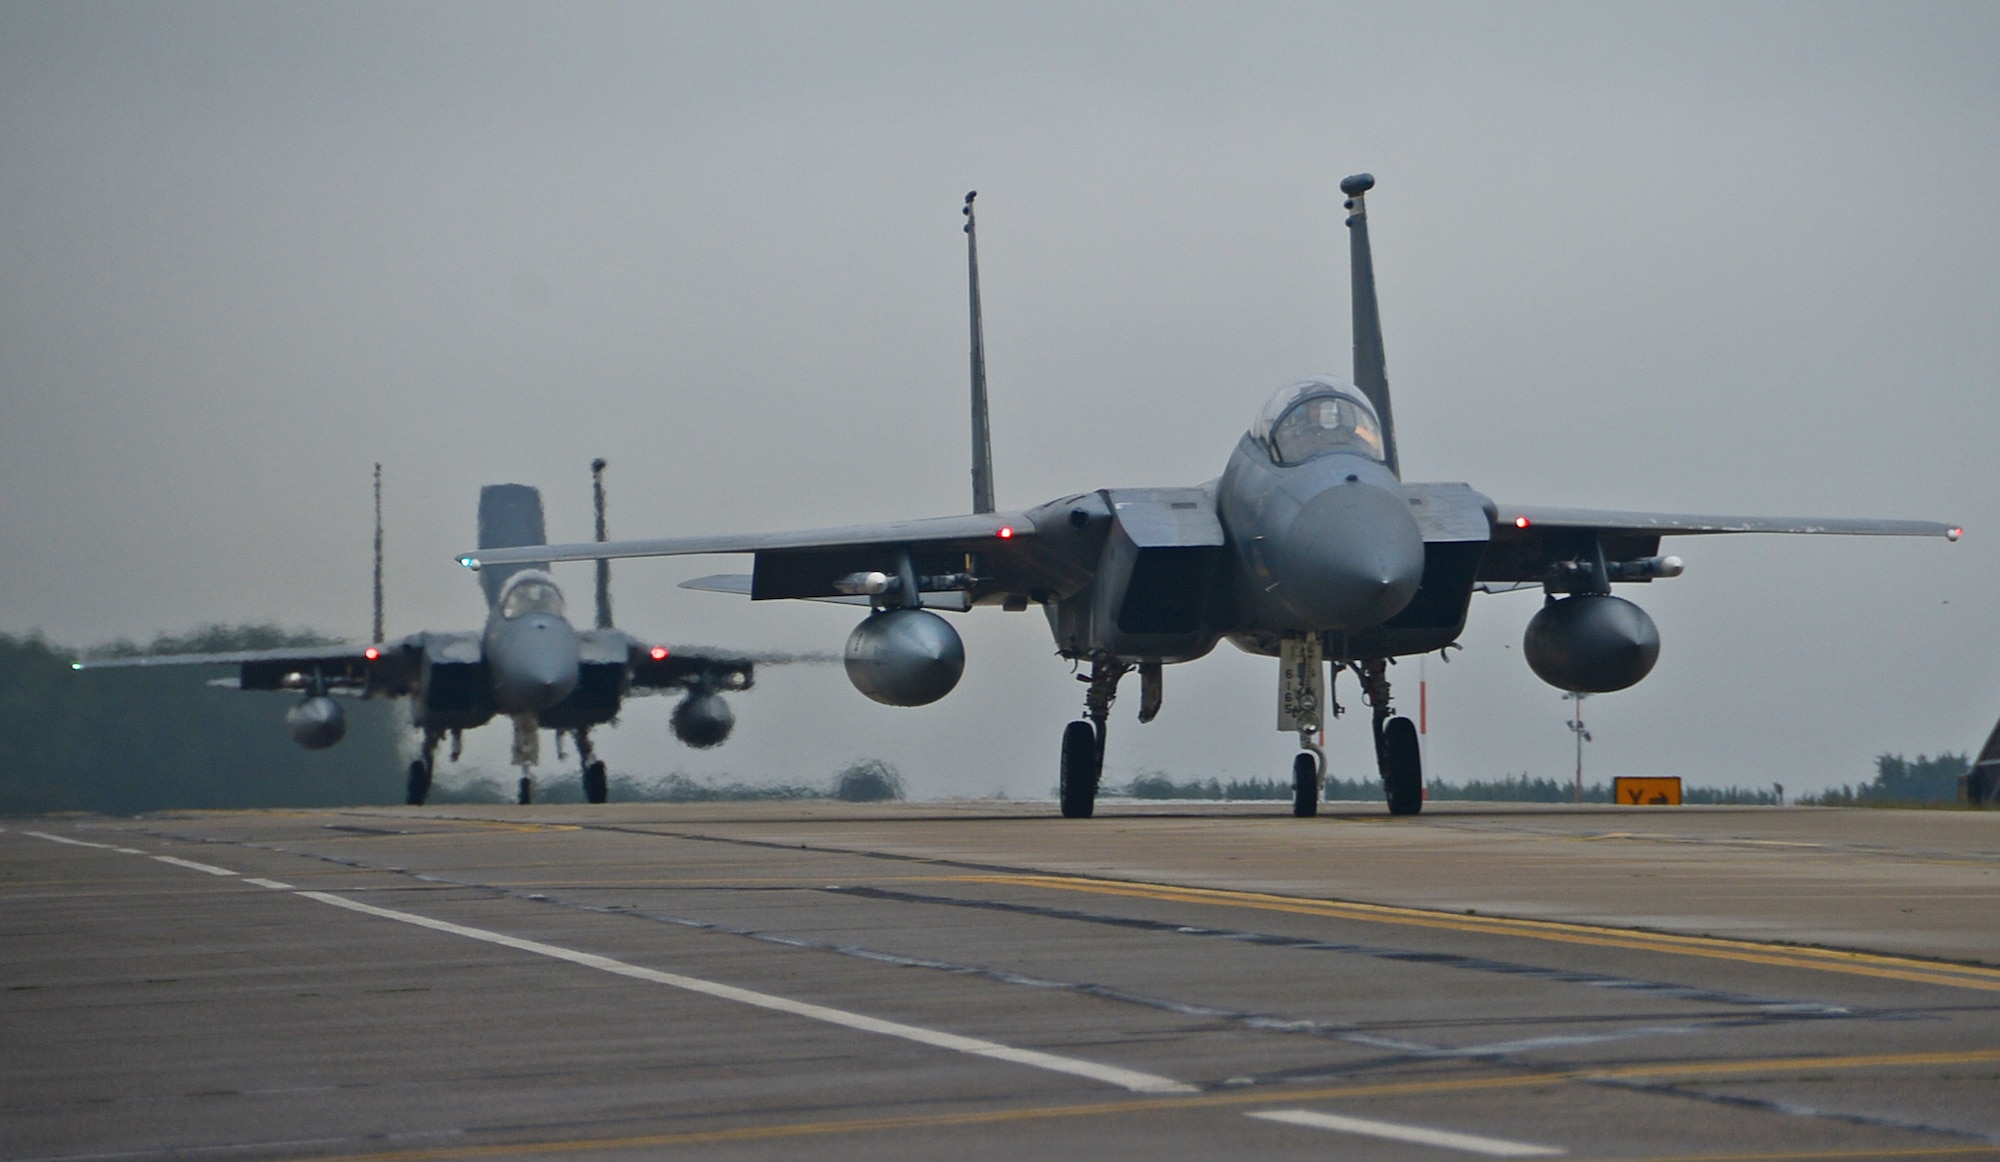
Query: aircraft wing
1528,539
1530,517
934,532
958,559
346,669
652,668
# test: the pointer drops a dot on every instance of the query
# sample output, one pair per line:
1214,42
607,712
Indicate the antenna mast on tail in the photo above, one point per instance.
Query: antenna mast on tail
597,467
377,639
1371,372
982,440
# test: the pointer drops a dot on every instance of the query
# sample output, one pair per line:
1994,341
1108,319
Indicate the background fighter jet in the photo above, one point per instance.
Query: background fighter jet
528,664
1309,547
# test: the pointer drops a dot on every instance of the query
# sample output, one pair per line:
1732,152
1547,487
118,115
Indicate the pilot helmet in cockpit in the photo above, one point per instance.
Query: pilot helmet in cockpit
530,591
1313,417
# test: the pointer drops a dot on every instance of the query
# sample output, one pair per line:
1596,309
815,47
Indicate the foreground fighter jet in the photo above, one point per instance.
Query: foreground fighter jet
1309,547
528,663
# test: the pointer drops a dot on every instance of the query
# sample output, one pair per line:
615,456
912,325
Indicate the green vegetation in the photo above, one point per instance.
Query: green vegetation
868,781
1157,785
123,741
1509,789
1899,780
864,781
675,788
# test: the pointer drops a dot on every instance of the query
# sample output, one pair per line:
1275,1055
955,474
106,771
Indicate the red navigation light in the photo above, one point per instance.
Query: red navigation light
1520,522
1006,532
659,653
371,653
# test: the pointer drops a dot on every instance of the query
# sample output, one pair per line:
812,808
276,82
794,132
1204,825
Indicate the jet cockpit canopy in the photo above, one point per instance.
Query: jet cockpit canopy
1315,416
530,591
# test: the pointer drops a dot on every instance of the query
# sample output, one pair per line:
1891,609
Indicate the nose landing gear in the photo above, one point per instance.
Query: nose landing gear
1302,701
1308,777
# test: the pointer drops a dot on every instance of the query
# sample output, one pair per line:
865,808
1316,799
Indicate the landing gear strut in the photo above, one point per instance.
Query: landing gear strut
596,787
1303,696
1397,754
1083,741
527,752
419,786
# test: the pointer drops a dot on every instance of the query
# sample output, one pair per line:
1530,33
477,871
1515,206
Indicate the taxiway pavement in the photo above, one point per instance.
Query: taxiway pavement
983,980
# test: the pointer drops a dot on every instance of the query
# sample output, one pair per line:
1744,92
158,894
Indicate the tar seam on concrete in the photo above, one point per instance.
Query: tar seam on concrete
1130,1079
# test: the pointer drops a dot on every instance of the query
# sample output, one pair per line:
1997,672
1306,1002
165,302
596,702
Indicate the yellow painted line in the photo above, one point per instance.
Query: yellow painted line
1752,952
1828,1155
1263,1095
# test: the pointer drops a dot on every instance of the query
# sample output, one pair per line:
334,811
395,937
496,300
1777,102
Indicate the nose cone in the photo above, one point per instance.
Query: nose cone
533,661
1352,559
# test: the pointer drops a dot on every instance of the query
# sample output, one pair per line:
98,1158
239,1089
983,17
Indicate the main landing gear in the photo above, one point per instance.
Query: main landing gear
418,787
1083,740
1397,754
596,784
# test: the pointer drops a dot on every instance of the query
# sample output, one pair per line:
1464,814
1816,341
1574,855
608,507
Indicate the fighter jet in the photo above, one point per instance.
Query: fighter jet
1982,782
528,663
1310,548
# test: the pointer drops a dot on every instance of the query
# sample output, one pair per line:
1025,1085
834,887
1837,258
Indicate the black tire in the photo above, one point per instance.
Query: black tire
596,785
1080,770
1305,785
418,787
1402,767
527,792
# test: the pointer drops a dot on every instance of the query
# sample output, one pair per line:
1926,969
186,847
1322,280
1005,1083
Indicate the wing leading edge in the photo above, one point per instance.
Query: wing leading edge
976,530
387,668
1528,541
956,561
1670,523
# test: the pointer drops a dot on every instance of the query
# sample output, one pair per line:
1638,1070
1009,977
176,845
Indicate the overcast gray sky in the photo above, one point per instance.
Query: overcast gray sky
1701,258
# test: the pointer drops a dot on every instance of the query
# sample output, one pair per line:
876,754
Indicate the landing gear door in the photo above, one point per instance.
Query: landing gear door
1301,684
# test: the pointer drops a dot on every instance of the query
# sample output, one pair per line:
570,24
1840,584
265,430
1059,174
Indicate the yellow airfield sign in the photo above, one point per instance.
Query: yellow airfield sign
1647,791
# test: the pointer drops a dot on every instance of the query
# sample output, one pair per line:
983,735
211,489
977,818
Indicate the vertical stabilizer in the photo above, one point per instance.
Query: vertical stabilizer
1983,781
597,467
982,440
378,555
1371,372
510,516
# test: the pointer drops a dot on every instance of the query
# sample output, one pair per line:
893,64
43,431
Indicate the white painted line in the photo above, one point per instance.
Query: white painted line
1109,1074
1423,1136
66,839
83,843
274,885
210,868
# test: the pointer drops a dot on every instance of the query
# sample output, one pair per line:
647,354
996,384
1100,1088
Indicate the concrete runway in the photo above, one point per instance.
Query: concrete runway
985,980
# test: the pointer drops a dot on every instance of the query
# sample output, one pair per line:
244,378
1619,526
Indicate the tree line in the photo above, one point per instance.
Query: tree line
122,741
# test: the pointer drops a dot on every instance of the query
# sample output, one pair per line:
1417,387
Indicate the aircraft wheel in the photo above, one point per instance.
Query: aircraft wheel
596,787
1402,767
527,793
1080,770
419,786
1305,785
